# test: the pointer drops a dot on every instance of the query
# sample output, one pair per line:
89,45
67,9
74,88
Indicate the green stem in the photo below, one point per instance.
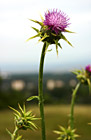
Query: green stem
14,133
40,91
72,106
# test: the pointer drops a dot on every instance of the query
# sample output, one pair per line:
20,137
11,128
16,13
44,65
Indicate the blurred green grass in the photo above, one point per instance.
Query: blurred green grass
55,115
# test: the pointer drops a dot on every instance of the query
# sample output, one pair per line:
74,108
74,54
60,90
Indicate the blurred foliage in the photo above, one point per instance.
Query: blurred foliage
57,95
55,115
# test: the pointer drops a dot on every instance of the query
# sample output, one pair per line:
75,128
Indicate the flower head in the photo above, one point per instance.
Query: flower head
51,29
88,69
84,76
56,20
24,120
66,133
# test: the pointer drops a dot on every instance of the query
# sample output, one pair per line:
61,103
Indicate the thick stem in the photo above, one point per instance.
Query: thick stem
72,106
40,91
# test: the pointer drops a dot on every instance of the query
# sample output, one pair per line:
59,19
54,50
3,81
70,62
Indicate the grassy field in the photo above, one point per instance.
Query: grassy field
55,115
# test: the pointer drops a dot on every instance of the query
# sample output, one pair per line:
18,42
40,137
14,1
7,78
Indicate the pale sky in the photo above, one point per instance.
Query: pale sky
15,29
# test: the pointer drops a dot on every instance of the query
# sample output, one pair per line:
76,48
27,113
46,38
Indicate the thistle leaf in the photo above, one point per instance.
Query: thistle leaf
35,119
45,36
50,50
28,113
64,38
33,125
62,128
40,23
69,31
57,49
59,45
15,110
76,136
24,108
34,37
57,132
53,34
33,97
20,108
42,18
19,138
9,132
16,116
89,84
35,29
75,72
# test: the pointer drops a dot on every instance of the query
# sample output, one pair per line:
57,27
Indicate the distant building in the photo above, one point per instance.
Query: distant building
59,83
72,82
51,84
18,84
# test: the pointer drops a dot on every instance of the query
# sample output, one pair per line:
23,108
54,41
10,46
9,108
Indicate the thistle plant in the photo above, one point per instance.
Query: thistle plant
51,31
84,77
23,121
66,133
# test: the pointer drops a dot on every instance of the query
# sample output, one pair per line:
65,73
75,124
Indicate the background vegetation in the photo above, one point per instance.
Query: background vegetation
59,89
55,115
55,112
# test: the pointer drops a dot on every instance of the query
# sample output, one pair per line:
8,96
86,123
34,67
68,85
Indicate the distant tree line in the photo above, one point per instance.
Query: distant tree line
54,95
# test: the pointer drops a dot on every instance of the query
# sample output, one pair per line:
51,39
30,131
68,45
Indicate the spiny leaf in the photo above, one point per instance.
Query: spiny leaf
62,128
53,34
89,84
35,119
33,125
50,50
33,37
57,132
32,128
20,108
40,23
19,138
28,113
16,115
9,132
15,110
69,31
45,36
42,18
35,29
76,136
60,138
24,108
73,130
33,97
64,38
75,72
57,49
59,45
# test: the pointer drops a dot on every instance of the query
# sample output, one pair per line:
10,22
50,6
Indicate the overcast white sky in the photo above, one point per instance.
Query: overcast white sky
16,53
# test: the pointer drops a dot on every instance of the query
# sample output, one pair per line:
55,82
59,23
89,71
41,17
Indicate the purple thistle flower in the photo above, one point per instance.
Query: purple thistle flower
88,69
56,20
